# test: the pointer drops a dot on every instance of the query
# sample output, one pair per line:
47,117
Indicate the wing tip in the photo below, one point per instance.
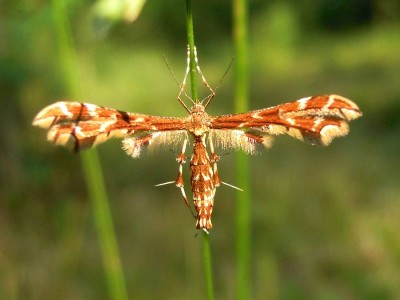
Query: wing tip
350,109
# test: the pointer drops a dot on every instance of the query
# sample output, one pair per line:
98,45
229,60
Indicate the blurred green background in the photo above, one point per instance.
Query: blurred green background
325,221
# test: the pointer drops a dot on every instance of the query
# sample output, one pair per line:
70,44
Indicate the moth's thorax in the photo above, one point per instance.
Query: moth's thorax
198,121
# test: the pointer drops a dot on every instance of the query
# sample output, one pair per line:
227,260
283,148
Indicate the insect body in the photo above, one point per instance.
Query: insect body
315,120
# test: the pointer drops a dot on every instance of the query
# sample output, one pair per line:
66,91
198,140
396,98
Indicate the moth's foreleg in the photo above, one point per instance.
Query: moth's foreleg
203,78
183,84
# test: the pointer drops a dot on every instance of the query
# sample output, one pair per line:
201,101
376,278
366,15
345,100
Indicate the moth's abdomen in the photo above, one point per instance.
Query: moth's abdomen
203,186
204,210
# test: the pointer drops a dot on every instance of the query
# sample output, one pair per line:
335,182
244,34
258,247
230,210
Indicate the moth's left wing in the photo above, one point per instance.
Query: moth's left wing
315,120
83,125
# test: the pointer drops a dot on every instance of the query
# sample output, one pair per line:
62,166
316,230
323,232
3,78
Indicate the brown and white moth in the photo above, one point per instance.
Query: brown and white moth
316,120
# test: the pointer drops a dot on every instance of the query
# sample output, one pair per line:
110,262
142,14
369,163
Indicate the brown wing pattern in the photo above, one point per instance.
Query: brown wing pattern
315,120
83,125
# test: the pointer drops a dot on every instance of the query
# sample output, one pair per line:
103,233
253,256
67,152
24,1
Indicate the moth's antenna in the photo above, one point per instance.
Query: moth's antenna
181,86
223,76
218,85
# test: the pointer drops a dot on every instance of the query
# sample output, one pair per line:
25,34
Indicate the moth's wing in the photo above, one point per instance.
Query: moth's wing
83,125
133,145
245,139
316,120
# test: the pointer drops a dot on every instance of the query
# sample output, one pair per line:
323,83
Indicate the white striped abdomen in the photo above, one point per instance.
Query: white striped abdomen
202,181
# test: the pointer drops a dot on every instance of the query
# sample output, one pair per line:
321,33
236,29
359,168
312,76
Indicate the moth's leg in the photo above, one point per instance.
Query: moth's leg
214,158
183,84
181,159
186,72
203,78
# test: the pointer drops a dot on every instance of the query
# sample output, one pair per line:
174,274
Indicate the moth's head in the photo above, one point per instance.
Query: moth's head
197,108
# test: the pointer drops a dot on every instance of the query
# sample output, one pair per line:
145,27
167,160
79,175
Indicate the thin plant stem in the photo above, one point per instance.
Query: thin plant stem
90,161
243,238
208,266
190,39
193,84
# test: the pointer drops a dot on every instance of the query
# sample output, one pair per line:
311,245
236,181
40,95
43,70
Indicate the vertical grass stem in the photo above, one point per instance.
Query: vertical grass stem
193,84
243,239
90,162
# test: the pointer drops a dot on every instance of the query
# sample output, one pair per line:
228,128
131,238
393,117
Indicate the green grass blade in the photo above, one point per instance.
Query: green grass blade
207,266
104,225
190,39
193,84
90,162
243,239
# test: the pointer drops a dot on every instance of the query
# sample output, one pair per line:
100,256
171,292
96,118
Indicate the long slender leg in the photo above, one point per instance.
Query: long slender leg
186,71
214,158
203,78
182,86
181,159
